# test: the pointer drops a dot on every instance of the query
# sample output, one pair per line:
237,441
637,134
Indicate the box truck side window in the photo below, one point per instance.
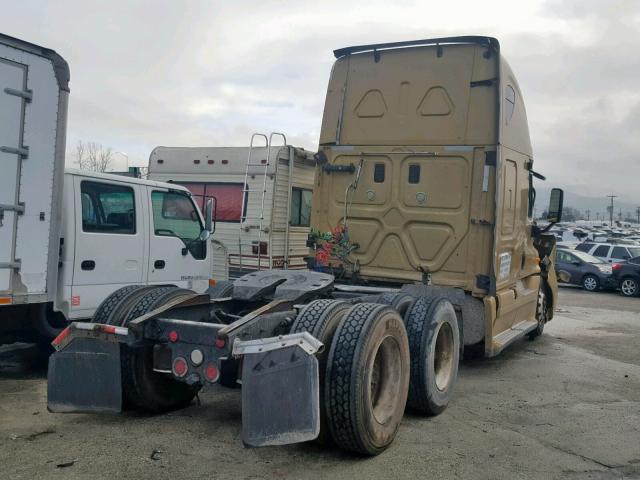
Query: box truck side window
107,208
175,215
228,198
300,207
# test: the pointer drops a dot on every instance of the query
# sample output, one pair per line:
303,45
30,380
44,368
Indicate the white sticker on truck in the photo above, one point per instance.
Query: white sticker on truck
505,266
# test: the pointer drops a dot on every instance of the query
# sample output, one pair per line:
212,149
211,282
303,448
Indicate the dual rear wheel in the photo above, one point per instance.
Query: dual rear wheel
381,358
142,387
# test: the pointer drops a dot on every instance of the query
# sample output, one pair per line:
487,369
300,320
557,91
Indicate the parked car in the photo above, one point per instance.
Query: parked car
608,252
585,270
627,275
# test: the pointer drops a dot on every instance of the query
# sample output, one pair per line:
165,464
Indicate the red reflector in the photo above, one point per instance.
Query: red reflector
108,329
224,162
61,336
210,162
211,373
173,336
220,343
180,367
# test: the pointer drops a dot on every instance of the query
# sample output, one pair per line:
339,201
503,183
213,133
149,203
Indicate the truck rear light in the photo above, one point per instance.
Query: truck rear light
197,357
180,367
211,162
220,343
212,373
173,336
5,300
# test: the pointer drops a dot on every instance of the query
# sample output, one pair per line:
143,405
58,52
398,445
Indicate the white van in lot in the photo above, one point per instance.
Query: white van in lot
609,252
68,240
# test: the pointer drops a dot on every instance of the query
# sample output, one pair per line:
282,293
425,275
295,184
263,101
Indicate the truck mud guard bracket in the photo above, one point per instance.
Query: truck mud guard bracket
280,390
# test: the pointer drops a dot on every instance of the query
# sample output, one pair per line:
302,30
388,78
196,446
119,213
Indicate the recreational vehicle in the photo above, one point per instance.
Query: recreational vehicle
262,200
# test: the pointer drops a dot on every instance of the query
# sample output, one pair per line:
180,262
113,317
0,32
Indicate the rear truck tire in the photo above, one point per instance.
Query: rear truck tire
434,344
590,283
541,314
400,302
321,319
367,379
142,387
629,287
221,289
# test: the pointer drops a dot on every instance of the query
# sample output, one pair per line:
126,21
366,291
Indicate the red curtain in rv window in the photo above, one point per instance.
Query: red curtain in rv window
228,197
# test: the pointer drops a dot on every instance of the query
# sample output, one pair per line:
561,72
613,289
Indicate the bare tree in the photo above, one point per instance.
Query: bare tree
93,156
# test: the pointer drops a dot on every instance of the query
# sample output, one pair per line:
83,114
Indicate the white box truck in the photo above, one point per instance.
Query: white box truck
70,239
262,197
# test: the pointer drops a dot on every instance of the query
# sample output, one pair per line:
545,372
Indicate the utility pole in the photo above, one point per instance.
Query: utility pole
638,213
588,212
610,208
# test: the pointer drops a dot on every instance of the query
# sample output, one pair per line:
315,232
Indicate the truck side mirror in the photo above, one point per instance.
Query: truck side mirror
208,216
556,199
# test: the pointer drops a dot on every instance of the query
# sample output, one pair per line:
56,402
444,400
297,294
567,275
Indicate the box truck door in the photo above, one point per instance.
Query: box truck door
12,82
110,233
176,255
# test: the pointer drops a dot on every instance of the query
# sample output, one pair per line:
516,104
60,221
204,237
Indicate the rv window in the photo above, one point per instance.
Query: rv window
175,215
300,207
228,198
107,208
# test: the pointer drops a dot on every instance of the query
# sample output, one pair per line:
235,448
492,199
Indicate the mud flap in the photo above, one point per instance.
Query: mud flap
280,392
85,377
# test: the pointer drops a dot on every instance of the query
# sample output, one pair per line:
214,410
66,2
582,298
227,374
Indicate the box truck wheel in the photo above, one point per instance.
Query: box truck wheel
367,378
142,387
117,301
48,324
321,318
434,342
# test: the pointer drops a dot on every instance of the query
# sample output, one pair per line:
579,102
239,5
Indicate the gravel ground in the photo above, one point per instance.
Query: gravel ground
564,406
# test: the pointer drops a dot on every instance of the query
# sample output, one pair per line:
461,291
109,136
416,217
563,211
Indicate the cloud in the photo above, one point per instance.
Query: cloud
212,72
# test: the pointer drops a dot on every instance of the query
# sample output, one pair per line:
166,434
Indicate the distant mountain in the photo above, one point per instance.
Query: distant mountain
583,203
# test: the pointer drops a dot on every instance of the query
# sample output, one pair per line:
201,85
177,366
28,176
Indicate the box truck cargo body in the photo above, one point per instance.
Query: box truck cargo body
68,240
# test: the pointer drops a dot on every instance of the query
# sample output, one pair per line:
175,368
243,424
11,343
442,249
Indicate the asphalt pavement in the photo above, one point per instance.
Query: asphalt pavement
565,406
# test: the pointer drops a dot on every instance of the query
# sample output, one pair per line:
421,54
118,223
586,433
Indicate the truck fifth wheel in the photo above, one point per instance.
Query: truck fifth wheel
422,247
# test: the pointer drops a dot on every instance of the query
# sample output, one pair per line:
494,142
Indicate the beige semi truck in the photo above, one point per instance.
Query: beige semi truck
422,248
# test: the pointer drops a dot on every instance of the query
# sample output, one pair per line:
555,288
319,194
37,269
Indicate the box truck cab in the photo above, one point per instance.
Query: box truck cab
126,231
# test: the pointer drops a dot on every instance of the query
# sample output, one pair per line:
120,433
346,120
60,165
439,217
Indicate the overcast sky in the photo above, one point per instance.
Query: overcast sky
212,72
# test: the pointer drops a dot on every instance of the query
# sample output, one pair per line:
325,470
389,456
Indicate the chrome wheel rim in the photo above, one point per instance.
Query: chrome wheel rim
590,283
628,287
